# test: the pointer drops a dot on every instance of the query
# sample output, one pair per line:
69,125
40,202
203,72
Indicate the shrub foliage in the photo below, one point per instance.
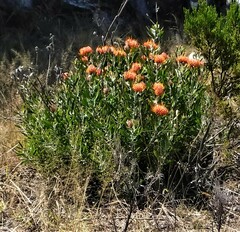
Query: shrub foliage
134,100
217,37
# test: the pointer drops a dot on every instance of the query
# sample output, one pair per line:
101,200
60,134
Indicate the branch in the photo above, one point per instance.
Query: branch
115,18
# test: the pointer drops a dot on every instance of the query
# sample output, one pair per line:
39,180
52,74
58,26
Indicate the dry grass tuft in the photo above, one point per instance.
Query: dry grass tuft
30,202
9,140
10,137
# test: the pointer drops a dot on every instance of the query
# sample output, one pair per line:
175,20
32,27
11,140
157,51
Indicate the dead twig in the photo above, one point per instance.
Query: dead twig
114,20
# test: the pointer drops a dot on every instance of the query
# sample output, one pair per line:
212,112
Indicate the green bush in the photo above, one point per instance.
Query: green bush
135,100
217,37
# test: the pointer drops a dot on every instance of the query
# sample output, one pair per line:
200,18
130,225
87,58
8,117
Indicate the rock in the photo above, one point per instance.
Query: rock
83,4
11,4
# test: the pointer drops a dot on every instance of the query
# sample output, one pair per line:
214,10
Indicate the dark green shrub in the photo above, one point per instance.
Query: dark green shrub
217,38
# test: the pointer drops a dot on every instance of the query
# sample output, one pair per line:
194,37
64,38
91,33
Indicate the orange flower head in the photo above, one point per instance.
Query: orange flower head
165,55
129,75
143,57
84,59
139,87
119,52
91,69
135,67
195,63
150,44
159,59
131,43
159,109
103,49
151,56
98,71
112,49
158,88
85,51
99,50
182,59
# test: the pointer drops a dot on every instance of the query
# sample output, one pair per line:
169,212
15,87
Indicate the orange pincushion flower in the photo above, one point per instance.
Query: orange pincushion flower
159,59
151,56
131,43
84,59
165,55
158,88
91,69
99,50
135,67
143,57
85,51
139,87
150,44
112,49
98,71
182,59
195,63
191,62
103,49
119,52
159,109
129,75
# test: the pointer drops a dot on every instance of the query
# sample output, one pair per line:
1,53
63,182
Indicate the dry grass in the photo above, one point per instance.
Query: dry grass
29,202
9,138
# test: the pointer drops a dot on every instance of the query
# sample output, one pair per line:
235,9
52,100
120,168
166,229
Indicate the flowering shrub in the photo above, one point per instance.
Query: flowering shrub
135,100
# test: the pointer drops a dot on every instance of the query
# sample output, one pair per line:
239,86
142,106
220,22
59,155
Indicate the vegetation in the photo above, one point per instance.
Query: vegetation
217,38
126,126
109,96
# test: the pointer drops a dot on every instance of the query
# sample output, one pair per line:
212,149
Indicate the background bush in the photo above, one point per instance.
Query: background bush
217,37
